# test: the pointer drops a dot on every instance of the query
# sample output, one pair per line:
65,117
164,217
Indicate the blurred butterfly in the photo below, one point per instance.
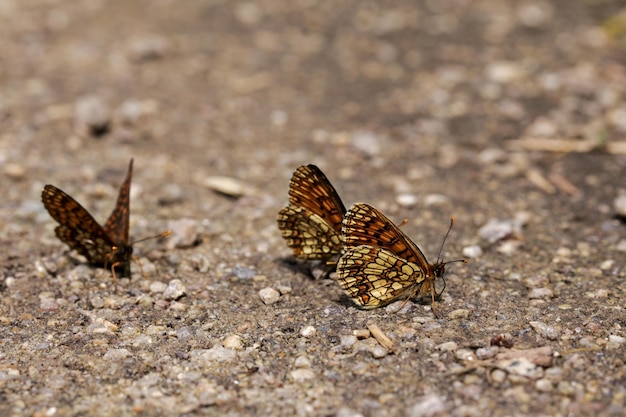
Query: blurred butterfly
103,246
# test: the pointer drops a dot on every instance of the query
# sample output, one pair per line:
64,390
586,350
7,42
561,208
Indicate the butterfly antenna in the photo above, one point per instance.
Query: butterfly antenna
444,239
164,234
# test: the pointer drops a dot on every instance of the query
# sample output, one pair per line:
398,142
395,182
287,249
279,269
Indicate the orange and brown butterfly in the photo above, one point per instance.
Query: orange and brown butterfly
311,224
381,264
103,246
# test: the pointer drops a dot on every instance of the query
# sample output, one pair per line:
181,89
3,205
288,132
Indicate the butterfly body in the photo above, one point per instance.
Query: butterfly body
102,246
311,224
381,264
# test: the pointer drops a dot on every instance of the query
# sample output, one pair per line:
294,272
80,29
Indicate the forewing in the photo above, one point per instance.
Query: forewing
116,226
373,276
364,225
78,229
308,235
310,189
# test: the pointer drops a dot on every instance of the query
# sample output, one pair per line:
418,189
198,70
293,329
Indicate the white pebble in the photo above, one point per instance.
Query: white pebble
269,296
407,200
447,346
308,331
302,362
302,374
617,339
233,342
174,290
158,287
620,205
472,251
116,354
536,293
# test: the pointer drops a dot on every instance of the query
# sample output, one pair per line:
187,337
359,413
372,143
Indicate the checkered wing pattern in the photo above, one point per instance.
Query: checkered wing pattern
81,232
311,224
381,264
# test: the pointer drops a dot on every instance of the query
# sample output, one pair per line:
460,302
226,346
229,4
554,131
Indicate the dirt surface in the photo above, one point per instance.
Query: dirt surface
511,116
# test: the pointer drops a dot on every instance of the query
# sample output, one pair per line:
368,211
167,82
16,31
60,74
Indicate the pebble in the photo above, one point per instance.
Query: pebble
545,330
619,204
361,333
228,186
175,290
147,48
93,114
284,289
619,340
607,265
487,352
347,340
367,142
544,385
116,354
300,375
460,313
243,273
407,200
233,342
472,251
521,367
428,406
447,347
308,331
436,200
498,376
536,293
14,171
185,232
621,245
215,354
269,296
302,362
48,304
344,411
184,334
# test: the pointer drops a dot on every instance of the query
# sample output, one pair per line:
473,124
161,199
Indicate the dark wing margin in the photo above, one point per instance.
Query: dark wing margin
116,226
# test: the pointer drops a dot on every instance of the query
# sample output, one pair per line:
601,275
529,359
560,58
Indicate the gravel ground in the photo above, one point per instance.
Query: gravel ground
511,116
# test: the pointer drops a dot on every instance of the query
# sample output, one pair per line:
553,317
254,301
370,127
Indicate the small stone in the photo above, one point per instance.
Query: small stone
147,48
407,200
229,187
233,342
158,287
428,406
565,388
367,142
545,330
48,304
185,334
447,347
621,245
536,293
269,296
378,351
14,171
284,289
521,367
487,352
436,200
308,331
472,251
498,376
607,265
185,233
92,116
586,342
344,411
243,273
544,385
116,354
215,354
361,333
460,313
619,204
619,340
175,290
347,340
465,355
300,375
302,362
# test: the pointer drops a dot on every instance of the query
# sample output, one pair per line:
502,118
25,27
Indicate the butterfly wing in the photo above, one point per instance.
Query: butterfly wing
116,226
365,225
308,235
373,276
310,189
77,228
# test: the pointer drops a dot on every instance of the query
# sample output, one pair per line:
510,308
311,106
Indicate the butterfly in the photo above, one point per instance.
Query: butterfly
101,245
311,224
381,264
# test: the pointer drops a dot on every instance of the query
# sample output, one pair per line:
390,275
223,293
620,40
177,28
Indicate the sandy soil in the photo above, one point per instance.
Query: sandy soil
510,117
